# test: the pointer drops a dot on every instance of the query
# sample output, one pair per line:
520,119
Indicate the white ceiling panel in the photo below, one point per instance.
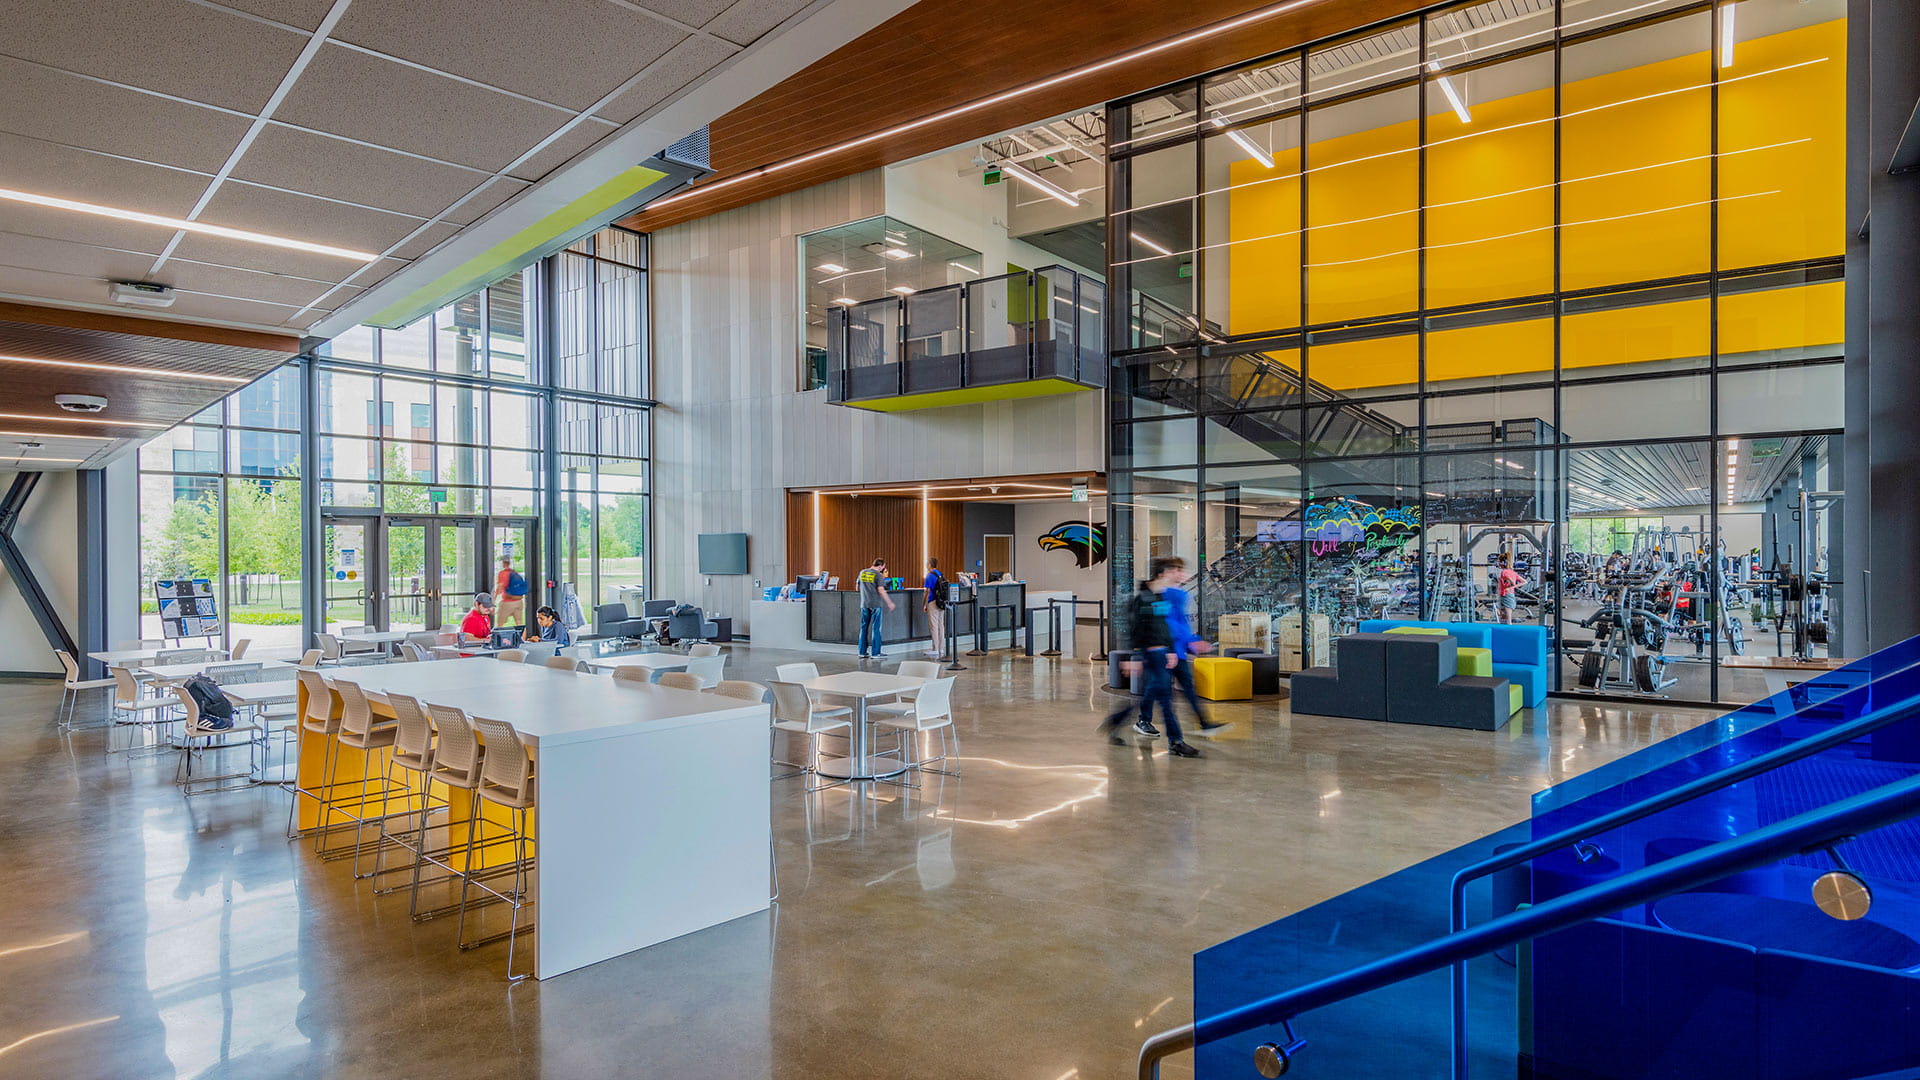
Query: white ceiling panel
305,14
302,217
497,191
687,61
46,103
26,282
223,252
82,228
50,169
335,168
428,114
65,257
748,20
568,52
691,12
172,46
430,237
563,149
230,281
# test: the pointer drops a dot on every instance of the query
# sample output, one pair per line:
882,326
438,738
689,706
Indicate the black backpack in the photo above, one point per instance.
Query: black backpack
216,712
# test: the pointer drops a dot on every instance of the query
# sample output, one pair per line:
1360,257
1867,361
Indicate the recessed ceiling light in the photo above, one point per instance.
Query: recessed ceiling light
831,268
123,369
80,420
897,253
903,290
847,300
184,225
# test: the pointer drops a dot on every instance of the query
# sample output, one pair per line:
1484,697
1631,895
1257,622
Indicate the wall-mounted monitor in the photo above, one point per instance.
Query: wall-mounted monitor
723,553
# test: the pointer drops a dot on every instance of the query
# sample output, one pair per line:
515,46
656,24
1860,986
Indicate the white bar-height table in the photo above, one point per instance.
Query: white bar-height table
652,805
137,657
169,674
655,662
861,687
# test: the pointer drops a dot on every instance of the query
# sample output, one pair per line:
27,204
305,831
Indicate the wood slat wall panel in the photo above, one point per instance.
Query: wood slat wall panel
942,53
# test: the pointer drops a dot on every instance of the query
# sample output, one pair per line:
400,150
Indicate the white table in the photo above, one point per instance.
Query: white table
653,811
259,695
861,687
137,657
168,674
655,662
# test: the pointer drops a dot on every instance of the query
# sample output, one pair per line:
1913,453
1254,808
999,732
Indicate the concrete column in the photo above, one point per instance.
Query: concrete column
1883,277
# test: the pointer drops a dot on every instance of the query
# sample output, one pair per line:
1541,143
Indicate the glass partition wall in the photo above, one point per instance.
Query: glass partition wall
1552,280
511,423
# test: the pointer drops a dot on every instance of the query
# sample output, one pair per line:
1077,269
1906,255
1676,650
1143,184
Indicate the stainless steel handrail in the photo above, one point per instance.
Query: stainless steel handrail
1819,828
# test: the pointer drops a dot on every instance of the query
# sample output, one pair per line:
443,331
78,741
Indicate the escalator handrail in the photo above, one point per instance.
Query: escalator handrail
1798,750
1817,828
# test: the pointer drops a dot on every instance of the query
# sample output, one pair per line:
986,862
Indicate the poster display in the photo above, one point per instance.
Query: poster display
187,608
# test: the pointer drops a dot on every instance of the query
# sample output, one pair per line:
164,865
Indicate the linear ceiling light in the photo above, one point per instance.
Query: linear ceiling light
847,300
1240,139
48,435
80,420
1726,35
903,290
65,460
989,102
897,253
1453,96
1150,244
184,225
120,369
1035,181
831,268
964,268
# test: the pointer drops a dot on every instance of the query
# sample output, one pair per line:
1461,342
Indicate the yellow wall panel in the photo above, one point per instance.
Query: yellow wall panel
1377,362
1363,225
1263,253
1634,335
1802,104
1783,319
1496,349
1490,202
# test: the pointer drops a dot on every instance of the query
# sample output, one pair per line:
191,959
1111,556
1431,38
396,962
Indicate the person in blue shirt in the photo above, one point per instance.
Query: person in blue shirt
548,627
1186,645
936,608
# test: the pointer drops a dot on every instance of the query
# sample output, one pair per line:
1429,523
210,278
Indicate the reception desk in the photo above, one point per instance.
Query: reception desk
833,615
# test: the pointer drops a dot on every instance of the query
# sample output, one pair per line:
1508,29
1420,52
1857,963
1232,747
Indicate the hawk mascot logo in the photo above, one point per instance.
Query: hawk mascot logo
1087,542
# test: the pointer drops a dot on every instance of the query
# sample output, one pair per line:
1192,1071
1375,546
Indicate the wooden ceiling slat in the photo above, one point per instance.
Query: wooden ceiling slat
942,53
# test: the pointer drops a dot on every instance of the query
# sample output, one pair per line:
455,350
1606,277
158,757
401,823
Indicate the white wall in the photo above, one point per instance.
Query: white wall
1055,570
46,533
732,434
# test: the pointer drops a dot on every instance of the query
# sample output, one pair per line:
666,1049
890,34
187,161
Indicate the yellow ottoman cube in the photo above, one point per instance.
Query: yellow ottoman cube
1222,678
1513,697
1473,662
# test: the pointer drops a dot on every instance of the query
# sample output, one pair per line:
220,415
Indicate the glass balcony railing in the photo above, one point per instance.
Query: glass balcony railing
1034,326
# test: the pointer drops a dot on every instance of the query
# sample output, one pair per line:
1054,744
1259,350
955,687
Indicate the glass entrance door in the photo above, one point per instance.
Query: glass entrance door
348,597
458,568
514,539
408,598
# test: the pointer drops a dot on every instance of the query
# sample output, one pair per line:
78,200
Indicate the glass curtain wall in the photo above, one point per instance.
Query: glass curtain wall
421,436
1496,278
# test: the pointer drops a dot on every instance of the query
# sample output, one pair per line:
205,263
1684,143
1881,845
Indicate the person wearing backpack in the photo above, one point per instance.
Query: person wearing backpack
511,587
1151,636
936,608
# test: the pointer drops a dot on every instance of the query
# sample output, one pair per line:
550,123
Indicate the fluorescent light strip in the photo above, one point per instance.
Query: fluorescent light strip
1149,245
989,102
1726,36
897,253
847,300
1045,187
120,369
831,268
184,225
1453,99
964,268
80,420
1469,135
1240,139
64,460
51,435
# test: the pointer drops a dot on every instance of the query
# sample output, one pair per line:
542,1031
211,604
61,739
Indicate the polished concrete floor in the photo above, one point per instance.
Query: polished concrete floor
1032,919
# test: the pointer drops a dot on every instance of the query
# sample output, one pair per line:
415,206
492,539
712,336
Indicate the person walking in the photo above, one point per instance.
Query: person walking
1186,645
511,587
1151,636
874,604
936,608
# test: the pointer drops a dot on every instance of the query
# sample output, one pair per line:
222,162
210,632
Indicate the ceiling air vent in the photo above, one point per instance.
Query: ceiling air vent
692,150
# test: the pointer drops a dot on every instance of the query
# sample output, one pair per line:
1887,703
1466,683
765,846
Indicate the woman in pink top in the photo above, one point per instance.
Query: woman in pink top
1506,583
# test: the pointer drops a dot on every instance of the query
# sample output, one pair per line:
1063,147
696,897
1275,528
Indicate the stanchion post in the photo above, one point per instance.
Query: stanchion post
1053,627
979,630
953,641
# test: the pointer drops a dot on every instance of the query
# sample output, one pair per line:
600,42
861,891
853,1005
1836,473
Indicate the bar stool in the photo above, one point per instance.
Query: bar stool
358,731
506,780
456,765
412,753
315,719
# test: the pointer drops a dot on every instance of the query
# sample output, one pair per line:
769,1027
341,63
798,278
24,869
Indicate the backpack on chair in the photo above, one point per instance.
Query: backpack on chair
216,712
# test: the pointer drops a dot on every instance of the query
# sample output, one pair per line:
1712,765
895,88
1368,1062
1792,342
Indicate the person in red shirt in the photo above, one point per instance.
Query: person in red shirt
479,621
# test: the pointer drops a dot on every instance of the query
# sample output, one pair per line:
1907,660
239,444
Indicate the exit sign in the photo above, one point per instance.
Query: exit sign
438,495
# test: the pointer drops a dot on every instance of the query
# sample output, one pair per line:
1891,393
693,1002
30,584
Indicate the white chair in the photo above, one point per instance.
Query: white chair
330,650
199,727
566,663
930,710
916,669
739,688
638,675
310,659
132,708
795,713
703,648
349,646
511,656
797,672
680,680
70,691
415,651
539,652
708,669
239,648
